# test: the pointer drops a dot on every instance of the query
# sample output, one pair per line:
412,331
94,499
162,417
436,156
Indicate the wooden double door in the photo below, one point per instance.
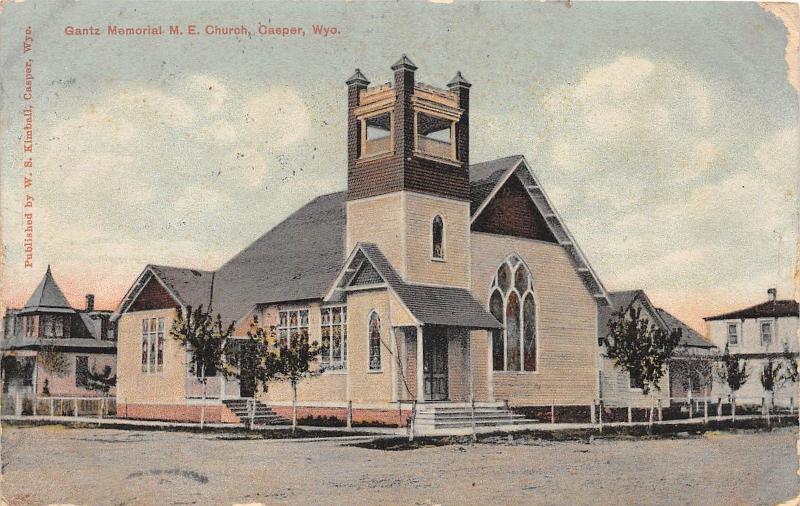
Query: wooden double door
434,364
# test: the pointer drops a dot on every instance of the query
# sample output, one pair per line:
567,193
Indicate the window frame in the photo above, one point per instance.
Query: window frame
85,383
442,257
735,326
342,364
370,370
453,158
150,364
362,135
771,327
288,327
504,296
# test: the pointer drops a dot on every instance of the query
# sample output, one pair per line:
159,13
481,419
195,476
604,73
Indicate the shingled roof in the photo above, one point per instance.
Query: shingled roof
769,309
430,305
192,287
298,259
47,297
484,176
689,336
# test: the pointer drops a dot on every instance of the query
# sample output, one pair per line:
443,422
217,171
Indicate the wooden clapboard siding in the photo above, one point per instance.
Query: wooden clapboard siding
135,386
366,386
566,322
378,220
420,210
328,386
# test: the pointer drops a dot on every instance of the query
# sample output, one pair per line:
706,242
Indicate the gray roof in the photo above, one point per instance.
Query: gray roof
432,305
83,344
297,260
192,287
484,176
623,299
690,337
47,297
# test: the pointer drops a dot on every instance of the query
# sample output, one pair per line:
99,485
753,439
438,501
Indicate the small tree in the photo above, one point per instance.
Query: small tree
790,372
771,377
206,340
295,357
732,371
639,347
102,381
259,357
53,361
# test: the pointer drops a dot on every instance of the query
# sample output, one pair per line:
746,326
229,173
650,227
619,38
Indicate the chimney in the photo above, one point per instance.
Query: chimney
89,302
355,84
772,294
460,87
403,111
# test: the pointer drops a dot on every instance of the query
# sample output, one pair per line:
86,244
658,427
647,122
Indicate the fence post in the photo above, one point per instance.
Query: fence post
691,405
349,414
705,410
508,410
592,413
75,407
17,405
552,412
35,404
472,416
660,412
52,406
733,408
600,418
630,413
719,408
650,418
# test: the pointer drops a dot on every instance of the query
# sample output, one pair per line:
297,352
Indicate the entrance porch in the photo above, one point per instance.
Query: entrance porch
441,364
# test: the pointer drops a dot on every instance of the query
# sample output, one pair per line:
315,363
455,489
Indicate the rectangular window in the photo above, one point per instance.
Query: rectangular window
81,371
733,334
152,345
634,382
377,134
766,333
333,323
435,136
292,325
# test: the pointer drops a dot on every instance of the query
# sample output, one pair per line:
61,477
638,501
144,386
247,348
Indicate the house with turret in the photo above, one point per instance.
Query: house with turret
49,347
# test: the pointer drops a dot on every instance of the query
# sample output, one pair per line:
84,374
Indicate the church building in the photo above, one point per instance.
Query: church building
430,280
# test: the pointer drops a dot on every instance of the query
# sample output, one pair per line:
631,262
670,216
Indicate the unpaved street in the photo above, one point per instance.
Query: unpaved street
106,467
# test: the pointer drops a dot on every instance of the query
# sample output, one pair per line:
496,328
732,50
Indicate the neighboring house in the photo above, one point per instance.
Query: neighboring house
758,333
688,369
49,346
428,280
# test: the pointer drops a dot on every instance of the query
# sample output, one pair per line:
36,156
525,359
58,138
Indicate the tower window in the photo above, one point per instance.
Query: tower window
435,136
437,236
376,134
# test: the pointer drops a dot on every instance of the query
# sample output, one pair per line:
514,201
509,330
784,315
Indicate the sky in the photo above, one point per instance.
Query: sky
666,134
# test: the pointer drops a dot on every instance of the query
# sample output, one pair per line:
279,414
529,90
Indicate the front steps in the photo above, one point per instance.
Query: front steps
263,413
440,417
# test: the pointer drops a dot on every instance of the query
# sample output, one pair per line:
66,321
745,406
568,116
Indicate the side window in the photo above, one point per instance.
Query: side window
374,342
81,371
437,238
733,334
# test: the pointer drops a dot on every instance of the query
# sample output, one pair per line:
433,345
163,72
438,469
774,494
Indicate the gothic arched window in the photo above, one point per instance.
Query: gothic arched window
437,234
374,342
512,303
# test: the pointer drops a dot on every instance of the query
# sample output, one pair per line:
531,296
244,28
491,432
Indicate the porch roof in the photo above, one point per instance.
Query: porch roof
61,344
429,305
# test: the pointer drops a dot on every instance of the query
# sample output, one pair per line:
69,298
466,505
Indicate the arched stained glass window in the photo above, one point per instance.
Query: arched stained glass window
437,234
512,303
374,342
498,336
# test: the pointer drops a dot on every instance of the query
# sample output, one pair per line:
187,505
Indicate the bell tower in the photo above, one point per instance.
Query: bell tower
408,173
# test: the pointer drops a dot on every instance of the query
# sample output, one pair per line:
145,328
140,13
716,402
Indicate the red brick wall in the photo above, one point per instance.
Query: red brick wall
366,416
176,413
153,296
511,212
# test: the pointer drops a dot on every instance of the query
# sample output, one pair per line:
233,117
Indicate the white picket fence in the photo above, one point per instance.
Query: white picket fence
20,404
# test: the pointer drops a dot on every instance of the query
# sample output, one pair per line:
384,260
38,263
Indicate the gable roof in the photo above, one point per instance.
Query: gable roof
189,287
47,297
429,305
298,259
487,178
689,337
769,309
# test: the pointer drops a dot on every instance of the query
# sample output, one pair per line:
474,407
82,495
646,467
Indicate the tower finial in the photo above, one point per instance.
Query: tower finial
357,78
404,63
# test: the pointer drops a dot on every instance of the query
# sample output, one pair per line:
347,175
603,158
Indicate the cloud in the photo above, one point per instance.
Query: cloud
789,14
